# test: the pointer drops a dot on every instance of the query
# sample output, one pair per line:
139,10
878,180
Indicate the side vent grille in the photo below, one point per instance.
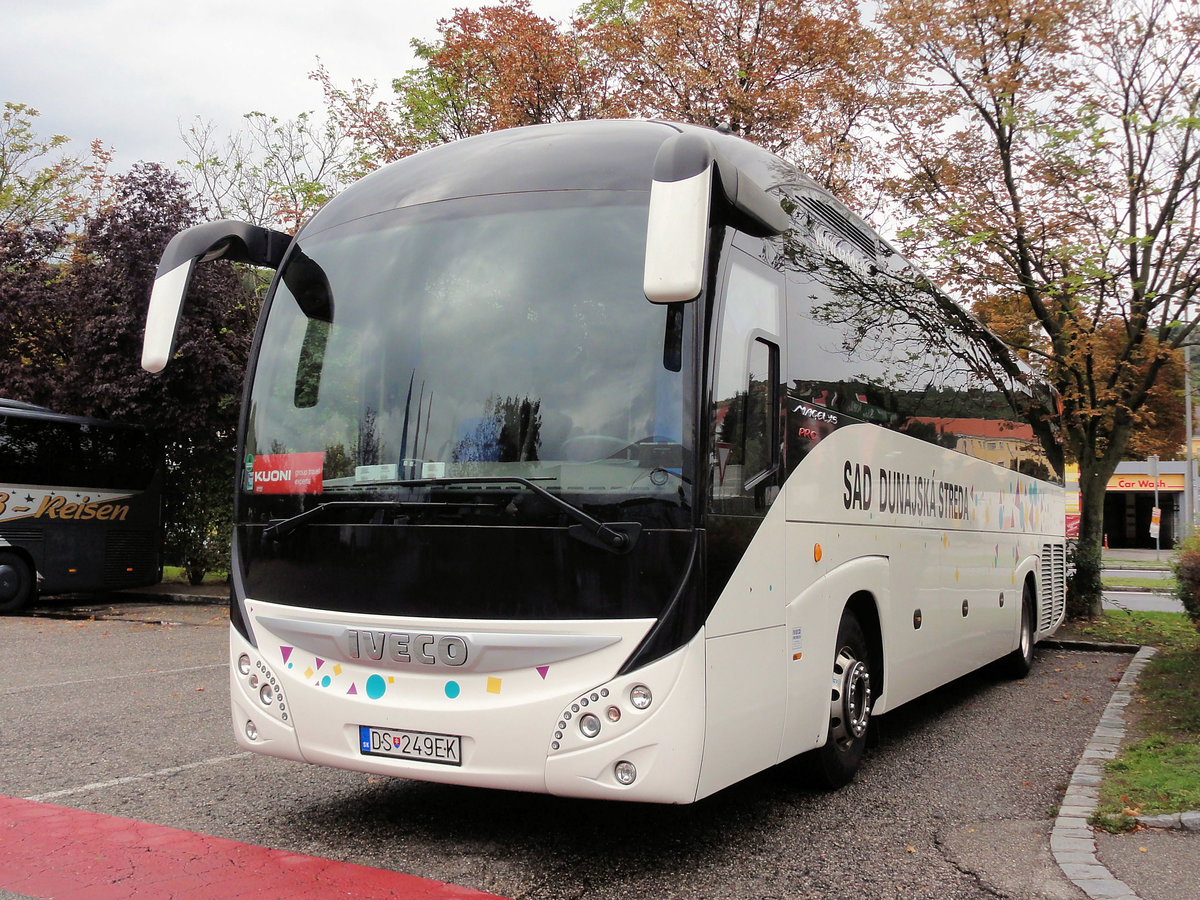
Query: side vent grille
835,221
21,535
1052,605
130,557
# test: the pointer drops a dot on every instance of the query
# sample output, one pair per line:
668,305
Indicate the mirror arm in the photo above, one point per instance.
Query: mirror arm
682,195
224,239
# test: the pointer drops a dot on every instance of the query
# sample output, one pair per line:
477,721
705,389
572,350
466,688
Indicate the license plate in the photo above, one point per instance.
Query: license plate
423,746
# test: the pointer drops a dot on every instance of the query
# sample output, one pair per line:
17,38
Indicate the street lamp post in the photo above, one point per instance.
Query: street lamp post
1156,517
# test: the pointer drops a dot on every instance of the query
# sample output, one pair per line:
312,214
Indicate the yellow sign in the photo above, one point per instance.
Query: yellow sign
1127,482
1130,481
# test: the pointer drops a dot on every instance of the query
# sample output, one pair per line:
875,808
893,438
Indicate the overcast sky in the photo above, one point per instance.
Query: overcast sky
130,72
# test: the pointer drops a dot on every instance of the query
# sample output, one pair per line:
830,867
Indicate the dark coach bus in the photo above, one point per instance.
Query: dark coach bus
79,505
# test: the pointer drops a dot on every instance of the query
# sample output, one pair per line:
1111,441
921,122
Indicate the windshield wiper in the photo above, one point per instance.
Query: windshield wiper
616,537
284,527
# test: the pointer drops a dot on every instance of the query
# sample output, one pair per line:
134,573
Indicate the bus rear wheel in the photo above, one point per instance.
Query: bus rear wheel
849,706
1018,663
16,582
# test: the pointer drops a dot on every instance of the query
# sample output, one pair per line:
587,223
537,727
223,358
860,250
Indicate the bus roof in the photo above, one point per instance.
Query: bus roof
22,410
598,154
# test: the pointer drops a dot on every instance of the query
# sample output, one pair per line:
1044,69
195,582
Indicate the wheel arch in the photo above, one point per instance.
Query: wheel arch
865,607
1031,582
24,557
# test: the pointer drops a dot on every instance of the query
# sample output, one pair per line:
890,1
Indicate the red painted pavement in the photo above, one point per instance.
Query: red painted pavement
55,851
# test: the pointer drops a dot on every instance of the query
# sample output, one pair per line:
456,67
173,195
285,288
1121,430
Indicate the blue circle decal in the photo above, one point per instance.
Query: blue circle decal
452,689
376,686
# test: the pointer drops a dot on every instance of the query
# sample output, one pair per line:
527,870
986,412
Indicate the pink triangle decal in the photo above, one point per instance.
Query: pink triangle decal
286,651
542,670
353,690
320,662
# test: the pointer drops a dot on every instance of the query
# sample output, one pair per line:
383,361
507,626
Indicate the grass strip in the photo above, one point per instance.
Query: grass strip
1158,769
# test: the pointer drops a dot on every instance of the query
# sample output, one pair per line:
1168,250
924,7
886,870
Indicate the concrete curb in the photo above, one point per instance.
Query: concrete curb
160,596
1072,841
1184,821
1089,646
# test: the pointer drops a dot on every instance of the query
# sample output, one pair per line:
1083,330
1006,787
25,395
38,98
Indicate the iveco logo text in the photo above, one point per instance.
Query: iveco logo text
424,649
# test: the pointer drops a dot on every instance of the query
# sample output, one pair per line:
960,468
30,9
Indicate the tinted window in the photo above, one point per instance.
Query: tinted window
64,453
474,338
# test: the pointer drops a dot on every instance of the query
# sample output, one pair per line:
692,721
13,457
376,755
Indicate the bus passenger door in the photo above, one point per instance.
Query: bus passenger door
746,689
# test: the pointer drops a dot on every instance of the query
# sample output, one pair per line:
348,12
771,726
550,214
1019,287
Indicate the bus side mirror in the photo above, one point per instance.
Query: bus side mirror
686,171
225,239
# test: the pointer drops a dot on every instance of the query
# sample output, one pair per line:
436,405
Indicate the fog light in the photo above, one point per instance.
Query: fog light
613,713
266,694
640,696
244,664
589,725
625,772
251,730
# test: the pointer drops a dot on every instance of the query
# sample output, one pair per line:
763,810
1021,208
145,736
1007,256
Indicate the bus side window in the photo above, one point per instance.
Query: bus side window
746,390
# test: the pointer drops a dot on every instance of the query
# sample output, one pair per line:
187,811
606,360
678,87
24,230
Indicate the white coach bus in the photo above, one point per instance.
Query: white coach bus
614,459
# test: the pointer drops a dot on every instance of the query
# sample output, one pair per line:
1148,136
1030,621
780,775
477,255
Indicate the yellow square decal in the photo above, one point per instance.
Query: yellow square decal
493,685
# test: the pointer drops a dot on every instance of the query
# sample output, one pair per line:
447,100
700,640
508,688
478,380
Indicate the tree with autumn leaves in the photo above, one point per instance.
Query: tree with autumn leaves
796,76
1048,162
1037,157
1041,155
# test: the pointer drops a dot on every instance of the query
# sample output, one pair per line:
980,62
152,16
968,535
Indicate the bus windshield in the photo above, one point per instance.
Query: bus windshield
442,344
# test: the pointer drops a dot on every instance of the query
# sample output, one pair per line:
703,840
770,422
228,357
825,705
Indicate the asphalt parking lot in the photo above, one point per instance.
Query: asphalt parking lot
123,710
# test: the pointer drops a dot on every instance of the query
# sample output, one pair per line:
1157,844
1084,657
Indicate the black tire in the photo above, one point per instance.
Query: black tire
16,582
1018,663
836,763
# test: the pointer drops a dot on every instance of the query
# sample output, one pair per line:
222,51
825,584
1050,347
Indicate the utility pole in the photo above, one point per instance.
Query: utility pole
1189,489
1156,516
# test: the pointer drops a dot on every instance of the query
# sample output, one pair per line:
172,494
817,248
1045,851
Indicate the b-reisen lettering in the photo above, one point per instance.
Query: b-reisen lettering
59,508
903,493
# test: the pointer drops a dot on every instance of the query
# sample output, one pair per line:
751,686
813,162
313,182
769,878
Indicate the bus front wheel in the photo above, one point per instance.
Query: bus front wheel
16,582
849,706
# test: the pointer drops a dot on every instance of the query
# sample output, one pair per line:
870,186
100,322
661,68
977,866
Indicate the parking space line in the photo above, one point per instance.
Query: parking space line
127,779
55,851
42,686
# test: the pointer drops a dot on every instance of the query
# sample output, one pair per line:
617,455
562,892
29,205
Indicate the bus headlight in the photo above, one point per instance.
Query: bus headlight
251,730
244,664
640,696
625,772
589,725
266,694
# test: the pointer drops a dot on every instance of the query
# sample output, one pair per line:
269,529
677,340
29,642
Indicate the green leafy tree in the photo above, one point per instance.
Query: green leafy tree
42,186
270,172
77,322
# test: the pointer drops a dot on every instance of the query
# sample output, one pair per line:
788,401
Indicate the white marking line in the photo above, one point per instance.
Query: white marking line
116,782
151,673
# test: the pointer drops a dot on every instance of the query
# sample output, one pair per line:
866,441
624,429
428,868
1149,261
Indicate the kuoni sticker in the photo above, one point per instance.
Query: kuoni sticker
288,473
797,643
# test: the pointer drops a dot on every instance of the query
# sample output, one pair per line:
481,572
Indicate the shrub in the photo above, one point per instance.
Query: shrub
1186,566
